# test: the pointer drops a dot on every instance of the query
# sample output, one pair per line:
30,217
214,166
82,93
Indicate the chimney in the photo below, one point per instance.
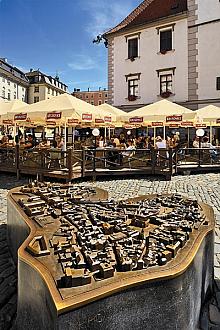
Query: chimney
88,89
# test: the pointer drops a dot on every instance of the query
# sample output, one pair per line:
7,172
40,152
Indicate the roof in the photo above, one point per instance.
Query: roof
5,66
149,11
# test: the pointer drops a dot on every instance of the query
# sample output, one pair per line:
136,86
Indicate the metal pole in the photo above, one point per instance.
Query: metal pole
65,136
164,132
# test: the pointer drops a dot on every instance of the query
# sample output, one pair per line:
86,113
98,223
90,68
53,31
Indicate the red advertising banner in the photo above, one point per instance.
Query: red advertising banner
54,115
99,120
7,122
174,118
20,116
187,124
87,116
174,125
200,125
127,126
135,120
107,119
157,123
50,122
72,121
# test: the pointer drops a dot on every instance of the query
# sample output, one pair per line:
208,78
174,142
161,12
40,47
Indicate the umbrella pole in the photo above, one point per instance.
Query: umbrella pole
154,136
210,133
73,136
14,131
188,138
105,134
65,136
164,132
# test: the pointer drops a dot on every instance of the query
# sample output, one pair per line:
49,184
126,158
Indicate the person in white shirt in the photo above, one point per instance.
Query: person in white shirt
207,144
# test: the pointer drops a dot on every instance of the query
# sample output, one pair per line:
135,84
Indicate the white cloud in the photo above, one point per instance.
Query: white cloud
82,62
105,14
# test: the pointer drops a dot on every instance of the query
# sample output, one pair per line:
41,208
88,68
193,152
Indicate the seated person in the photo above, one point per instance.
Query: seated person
44,144
4,142
29,144
196,142
207,144
129,149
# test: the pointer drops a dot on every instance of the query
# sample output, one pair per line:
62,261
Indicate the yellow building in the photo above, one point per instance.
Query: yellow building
43,87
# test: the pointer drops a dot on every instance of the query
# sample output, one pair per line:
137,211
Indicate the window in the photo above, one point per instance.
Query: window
100,95
22,89
36,89
3,79
166,81
100,102
8,83
15,95
36,99
132,48
56,93
106,95
52,92
91,96
23,98
218,83
9,95
106,101
87,96
3,92
15,86
48,90
132,88
165,40
92,102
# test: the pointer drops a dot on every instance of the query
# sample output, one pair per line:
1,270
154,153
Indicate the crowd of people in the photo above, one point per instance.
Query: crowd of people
30,142
123,142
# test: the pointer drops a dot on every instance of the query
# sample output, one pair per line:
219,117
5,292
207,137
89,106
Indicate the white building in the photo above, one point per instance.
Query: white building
13,82
166,49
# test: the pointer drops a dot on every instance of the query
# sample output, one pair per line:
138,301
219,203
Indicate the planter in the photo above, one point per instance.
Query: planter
165,95
132,97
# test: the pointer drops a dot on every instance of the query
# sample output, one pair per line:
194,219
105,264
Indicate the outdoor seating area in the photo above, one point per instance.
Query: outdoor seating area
67,138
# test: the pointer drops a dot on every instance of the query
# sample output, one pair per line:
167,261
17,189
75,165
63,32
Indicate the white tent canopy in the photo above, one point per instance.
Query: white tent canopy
112,110
9,106
209,113
68,105
159,110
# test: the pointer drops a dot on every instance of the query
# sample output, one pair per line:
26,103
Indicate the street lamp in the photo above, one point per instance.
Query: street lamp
95,133
200,133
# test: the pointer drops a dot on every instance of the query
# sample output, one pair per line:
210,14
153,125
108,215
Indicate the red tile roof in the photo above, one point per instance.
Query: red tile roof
150,10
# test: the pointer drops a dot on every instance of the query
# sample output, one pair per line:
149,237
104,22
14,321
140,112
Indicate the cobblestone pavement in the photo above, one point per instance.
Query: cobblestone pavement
204,187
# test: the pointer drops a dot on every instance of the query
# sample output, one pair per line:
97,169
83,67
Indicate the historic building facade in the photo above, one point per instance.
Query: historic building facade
43,87
30,87
93,97
166,49
13,82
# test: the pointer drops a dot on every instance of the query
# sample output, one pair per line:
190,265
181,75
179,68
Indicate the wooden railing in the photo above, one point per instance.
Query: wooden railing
106,161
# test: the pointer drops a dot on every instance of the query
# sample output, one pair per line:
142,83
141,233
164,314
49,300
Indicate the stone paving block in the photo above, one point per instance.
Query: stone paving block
214,314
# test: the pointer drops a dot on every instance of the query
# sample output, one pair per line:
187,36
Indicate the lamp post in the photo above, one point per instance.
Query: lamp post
95,133
200,133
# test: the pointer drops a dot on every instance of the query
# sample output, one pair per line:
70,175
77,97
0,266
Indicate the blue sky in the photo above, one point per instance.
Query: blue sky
56,36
